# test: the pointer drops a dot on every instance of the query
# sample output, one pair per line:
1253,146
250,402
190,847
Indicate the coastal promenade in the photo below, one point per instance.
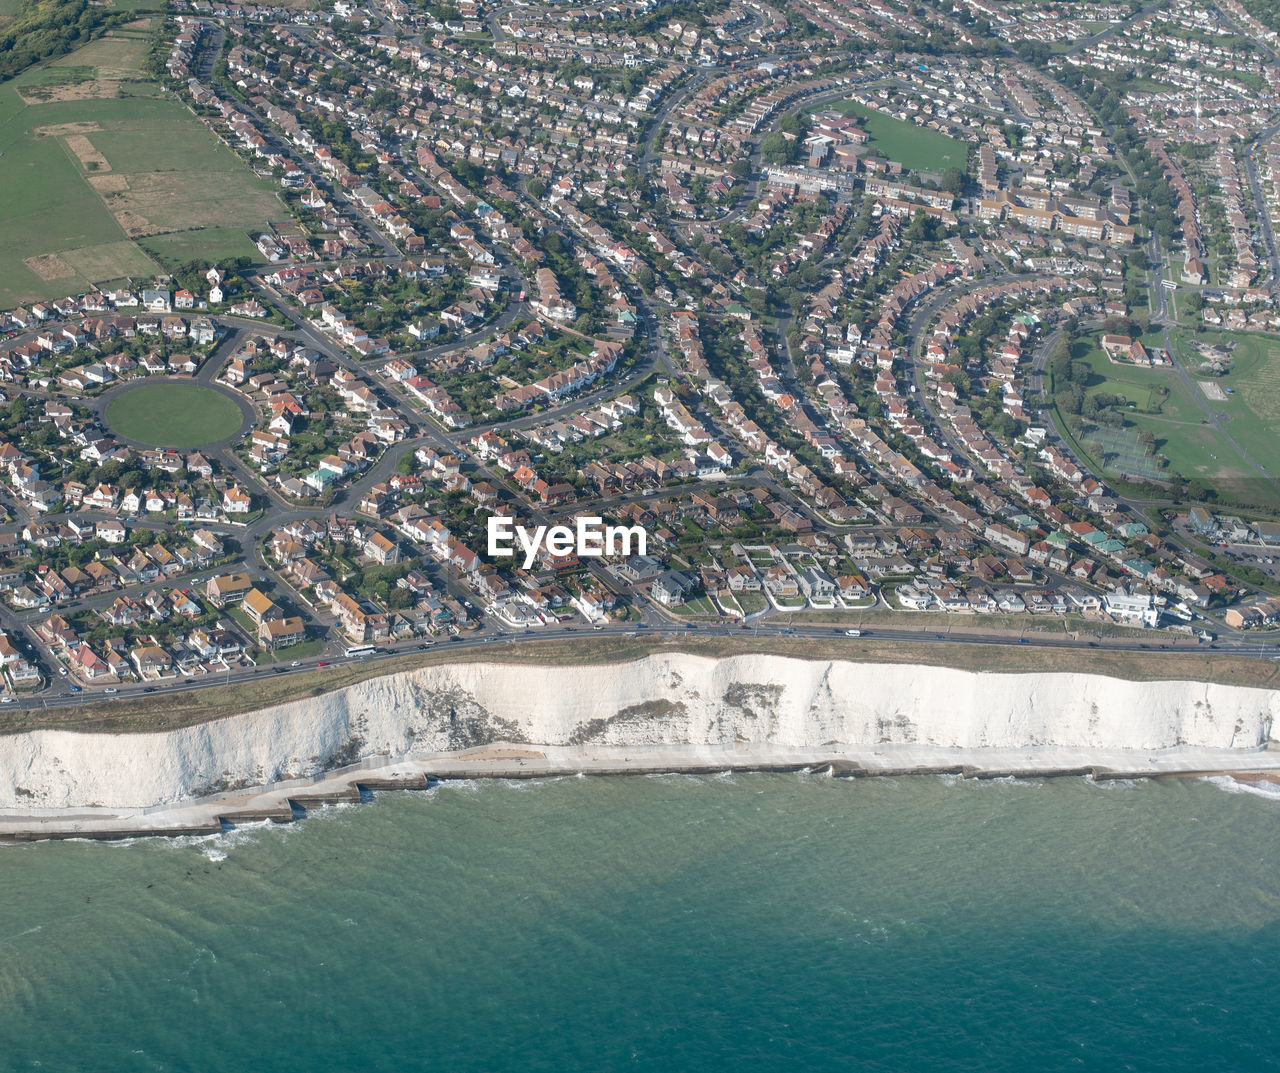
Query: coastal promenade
290,801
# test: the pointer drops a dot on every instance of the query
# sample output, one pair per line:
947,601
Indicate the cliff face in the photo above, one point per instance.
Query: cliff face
670,699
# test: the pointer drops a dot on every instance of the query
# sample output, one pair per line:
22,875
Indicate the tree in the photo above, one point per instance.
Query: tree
776,148
1071,400
1060,360
923,228
953,181
722,262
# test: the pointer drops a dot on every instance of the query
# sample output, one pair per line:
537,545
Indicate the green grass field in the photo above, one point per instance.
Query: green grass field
93,163
173,415
1140,386
1180,422
55,75
1251,411
210,243
912,146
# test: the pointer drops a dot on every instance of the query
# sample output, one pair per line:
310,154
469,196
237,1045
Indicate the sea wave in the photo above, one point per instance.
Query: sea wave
519,786
462,786
1231,785
215,846
1115,784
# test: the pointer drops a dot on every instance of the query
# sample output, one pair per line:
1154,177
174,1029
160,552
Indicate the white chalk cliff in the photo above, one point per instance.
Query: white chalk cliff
670,699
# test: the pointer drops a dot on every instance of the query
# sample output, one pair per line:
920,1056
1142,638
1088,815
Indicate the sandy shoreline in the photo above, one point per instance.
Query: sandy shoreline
286,802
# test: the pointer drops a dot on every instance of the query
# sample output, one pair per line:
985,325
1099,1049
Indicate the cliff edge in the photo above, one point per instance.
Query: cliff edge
674,699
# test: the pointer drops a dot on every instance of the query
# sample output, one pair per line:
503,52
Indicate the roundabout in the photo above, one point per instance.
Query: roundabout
175,413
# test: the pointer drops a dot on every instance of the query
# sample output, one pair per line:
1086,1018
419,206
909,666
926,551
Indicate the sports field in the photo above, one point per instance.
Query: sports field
912,146
104,178
173,415
1120,451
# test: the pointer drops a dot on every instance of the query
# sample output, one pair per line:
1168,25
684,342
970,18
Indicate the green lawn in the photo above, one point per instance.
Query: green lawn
79,202
1147,85
1253,391
245,623
173,415
210,244
301,650
699,605
911,145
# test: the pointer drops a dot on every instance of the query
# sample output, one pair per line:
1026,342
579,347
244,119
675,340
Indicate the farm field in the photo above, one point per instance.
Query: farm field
912,146
106,179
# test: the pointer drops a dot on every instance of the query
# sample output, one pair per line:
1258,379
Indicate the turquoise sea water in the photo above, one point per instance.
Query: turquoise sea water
750,923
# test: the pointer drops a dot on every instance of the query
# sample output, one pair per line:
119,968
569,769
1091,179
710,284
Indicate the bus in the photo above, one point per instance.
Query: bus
361,650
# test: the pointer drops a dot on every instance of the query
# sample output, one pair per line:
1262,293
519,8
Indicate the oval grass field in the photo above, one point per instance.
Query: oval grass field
173,415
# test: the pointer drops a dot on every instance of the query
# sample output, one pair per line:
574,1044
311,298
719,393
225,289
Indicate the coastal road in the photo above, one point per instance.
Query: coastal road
490,636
